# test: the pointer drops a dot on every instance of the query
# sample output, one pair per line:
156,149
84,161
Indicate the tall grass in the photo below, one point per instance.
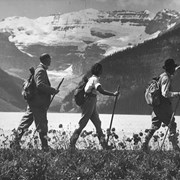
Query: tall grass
89,161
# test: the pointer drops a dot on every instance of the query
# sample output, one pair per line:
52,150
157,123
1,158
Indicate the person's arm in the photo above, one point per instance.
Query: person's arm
105,92
165,85
41,83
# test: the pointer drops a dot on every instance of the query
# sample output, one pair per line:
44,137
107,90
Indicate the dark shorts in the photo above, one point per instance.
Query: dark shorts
162,114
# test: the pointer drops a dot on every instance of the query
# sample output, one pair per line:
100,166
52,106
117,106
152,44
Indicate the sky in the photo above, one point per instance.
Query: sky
37,8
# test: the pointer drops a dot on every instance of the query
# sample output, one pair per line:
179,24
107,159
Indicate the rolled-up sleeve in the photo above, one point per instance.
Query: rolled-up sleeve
96,83
165,88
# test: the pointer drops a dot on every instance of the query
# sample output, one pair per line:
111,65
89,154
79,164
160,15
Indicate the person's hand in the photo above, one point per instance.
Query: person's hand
177,68
116,93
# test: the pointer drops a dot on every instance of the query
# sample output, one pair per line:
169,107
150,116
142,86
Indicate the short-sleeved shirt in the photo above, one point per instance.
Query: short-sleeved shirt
166,85
92,85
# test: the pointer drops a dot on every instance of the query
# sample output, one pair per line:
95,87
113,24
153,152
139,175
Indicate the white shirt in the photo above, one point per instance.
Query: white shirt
166,86
92,85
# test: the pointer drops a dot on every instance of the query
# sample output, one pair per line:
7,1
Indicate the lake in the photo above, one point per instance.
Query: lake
124,124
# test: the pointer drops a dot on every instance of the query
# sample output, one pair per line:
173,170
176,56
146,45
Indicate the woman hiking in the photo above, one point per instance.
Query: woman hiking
89,108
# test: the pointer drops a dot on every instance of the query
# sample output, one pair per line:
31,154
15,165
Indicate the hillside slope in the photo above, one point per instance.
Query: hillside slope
132,69
10,93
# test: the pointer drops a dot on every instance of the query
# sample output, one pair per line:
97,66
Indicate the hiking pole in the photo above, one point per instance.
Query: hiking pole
172,116
112,116
49,103
56,89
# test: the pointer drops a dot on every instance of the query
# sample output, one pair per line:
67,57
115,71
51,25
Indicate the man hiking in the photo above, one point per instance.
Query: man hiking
37,107
89,108
163,112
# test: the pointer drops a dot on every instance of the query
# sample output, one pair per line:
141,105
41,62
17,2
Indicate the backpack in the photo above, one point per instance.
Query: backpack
79,93
153,92
29,86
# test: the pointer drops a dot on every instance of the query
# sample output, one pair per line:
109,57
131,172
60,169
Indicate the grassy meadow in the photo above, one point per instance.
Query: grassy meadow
126,160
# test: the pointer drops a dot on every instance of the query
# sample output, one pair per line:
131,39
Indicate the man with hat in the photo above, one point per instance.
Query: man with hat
163,112
38,106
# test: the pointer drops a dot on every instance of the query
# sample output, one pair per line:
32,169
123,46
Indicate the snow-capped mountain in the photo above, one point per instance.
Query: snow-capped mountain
163,21
76,40
114,29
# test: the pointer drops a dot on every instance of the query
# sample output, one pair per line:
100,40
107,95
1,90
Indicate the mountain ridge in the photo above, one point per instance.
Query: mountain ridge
74,47
132,69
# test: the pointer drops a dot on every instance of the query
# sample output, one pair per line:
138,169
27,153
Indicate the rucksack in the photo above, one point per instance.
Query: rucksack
79,93
29,86
153,92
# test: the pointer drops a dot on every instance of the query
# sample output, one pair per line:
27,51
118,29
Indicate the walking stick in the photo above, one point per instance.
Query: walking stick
56,89
49,103
172,116
109,130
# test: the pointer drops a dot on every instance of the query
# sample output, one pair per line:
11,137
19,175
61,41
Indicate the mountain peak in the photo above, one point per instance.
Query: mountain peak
89,10
166,13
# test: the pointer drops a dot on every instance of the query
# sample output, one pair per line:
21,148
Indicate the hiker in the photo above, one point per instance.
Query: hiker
89,109
38,106
163,112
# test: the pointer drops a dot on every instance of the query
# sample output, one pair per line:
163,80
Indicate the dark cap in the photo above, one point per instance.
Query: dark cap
169,63
44,58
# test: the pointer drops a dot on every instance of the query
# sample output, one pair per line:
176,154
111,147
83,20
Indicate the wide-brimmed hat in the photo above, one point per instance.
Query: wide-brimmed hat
169,63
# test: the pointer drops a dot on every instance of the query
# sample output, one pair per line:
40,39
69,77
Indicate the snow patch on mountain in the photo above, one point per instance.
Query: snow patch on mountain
53,74
75,28
111,31
171,25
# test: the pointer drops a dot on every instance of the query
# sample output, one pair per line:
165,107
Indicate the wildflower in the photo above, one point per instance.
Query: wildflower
122,145
30,145
146,130
162,134
90,132
60,125
14,130
50,131
35,142
63,133
113,129
156,137
136,138
141,134
128,139
54,131
116,136
48,138
84,134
